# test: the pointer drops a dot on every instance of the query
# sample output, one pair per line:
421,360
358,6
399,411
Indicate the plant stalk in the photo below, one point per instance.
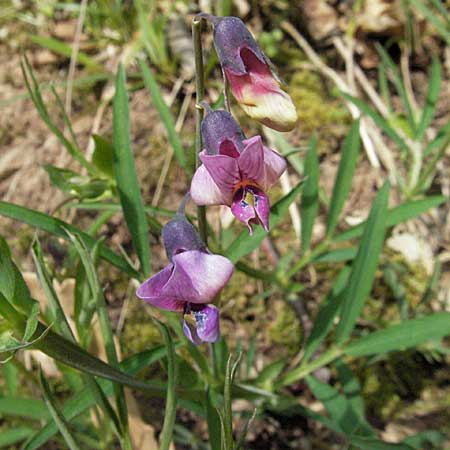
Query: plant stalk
200,93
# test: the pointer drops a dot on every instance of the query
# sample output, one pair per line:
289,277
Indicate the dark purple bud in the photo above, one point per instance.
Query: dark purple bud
221,134
230,36
180,236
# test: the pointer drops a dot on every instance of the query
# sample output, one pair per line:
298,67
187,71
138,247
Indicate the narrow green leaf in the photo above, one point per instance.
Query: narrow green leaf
58,227
244,244
14,436
404,335
126,177
61,48
11,377
369,443
29,408
85,400
434,88
327,312
103,156
32,321
351,387
309,205
213,420
12,284
344,177
56,414
74,356
339,408
164,113
35,95
364,265
433,19
426,439
380,121
60,320
336,255
396,215
105,324
165,437
400,87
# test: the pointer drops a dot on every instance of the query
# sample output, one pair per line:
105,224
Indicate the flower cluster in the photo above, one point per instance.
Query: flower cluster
235,172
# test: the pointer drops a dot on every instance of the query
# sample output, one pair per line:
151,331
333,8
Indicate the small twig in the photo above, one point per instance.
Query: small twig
169,155
340,83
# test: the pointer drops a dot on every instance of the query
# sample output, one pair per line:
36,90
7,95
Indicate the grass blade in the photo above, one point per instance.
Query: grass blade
341,411
10,437
407,334
165,437
400,87
364,265
125,174
379,121
432,18
310,195
396,215
434,88
105,324
60,321
29,408
84,400
244,244
327,312
344,177
58,228
164,113
56,414
213,420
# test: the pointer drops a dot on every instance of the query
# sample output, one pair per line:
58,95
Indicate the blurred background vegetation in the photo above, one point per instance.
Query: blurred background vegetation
390,58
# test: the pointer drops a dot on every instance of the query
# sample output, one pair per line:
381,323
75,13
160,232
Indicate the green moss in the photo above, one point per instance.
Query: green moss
318,112
140,333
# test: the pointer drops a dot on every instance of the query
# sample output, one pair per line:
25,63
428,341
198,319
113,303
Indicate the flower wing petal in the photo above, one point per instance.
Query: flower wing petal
274,165
204,191
154,292
224,170
198,276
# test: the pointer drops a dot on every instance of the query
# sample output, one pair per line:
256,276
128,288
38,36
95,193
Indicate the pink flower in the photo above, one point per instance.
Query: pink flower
236,171
190,281
250,74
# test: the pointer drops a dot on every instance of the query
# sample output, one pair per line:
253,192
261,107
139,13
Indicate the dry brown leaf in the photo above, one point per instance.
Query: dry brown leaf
320,18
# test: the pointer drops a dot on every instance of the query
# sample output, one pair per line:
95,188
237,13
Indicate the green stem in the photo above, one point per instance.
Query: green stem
305,369
200,93
307,257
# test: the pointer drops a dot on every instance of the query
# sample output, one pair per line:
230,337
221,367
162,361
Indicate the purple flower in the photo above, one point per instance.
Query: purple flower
236,171
193,278
249,72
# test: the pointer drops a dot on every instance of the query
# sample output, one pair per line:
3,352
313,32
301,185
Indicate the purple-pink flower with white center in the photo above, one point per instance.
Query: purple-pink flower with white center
251,76
236,171
190,281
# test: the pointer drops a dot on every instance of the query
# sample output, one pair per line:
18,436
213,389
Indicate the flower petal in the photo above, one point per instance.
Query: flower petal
190,332
207,321
275,165
197,276
262,207
243,211
224,170
153,291
204,191
251,161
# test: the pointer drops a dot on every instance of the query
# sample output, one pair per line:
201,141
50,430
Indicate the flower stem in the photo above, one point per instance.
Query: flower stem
200,93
